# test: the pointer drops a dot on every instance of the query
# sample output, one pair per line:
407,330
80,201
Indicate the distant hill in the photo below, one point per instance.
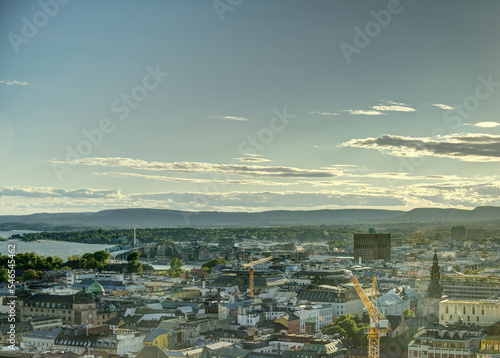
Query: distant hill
126,218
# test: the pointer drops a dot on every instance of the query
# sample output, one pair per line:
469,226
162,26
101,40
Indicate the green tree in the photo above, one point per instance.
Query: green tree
102,256
209,265
133,256
175,269
134,266
408,313
29,274
4,275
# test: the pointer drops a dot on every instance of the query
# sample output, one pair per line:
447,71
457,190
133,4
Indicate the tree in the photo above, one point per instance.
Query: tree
102,256
134,266
408,313
346,326
4,275
133,256
209,265
175,269
29,274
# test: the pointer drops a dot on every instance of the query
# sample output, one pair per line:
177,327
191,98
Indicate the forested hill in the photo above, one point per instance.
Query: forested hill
127,218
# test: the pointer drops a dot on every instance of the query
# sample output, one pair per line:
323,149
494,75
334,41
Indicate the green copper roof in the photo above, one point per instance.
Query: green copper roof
205,353
96,288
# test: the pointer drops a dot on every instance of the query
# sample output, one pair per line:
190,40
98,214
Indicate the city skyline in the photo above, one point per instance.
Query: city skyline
248,105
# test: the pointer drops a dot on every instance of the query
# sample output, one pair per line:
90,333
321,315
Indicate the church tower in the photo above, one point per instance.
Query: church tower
434,291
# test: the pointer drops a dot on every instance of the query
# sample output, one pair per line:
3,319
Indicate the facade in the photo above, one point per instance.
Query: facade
458,233
77,309
398,299
454,341
40,340
321,315
157,337
372,247
465,287
343,300
481,313
490,347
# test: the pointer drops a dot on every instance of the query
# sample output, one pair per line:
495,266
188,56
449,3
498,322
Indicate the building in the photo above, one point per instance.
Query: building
453,341
434,290
458,233
490,347
334,349
372,246
342,299
481,313
157,337
40,340
398,299
466,287
78,309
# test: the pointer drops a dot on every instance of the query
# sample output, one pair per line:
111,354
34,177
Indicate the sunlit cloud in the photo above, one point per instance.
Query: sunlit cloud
466,147
233,118
443,106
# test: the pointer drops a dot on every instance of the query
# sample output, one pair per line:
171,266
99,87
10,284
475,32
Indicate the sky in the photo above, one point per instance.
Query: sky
239,105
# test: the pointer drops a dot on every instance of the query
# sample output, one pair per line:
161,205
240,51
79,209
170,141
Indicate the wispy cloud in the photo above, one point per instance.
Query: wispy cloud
15,83
443,106
233,118
364,112
466,147
192,180
378,110
391,106
49,192
483,124
252,158
196,167
325,113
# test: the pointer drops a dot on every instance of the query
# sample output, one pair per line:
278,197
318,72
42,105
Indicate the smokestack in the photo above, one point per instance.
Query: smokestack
360,260
203,284
218,295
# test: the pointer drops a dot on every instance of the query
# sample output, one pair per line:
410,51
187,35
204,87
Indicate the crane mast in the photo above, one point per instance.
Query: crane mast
378,325
251,272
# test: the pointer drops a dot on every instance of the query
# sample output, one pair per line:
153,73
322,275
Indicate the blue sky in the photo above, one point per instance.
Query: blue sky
248,105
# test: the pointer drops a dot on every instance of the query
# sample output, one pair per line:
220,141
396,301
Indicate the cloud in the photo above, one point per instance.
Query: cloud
443,106
48,192
271,200
466,147
325,113
233,118
483,124
394,107
363,112
252,158
192,180
196,167
15,83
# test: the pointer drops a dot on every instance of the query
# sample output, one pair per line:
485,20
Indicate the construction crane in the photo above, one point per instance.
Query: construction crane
379,326
251,264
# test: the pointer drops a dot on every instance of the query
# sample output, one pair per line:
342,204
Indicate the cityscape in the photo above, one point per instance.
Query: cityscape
249,179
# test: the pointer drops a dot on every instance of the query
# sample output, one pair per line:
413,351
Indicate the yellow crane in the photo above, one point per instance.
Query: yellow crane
251,264
379,326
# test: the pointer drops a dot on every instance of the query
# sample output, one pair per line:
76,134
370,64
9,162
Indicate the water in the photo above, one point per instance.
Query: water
62,249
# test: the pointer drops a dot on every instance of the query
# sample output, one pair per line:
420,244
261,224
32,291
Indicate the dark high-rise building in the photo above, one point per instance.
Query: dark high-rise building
458,233
372,246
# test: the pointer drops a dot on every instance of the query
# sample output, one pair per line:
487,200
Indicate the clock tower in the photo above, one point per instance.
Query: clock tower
434,291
